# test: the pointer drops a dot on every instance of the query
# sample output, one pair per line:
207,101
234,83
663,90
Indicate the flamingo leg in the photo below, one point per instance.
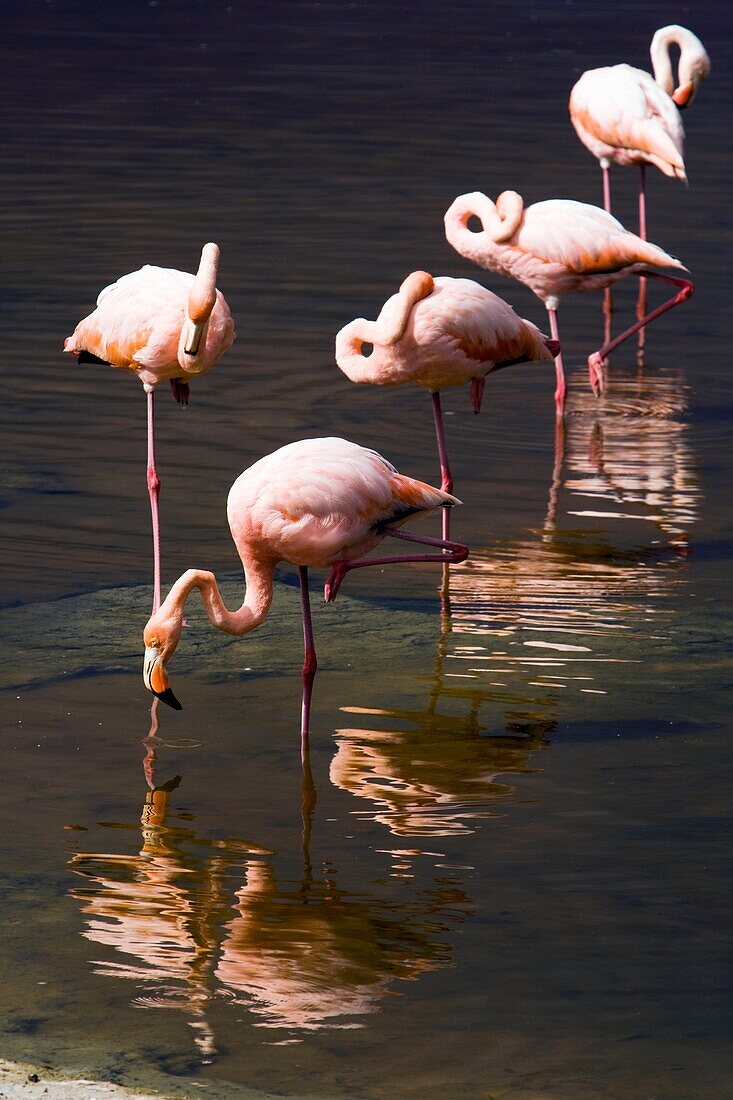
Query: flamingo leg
606,170
154,492
641,301
446,477
310,663
560,387
450,552
596,361
607,302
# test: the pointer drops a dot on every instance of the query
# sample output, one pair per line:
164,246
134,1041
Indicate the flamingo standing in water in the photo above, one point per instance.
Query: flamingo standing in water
558,246
439,332
161,324
317,502
624,116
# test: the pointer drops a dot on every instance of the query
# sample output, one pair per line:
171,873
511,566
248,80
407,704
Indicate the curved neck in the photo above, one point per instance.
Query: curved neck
192,350
202,296
387,330
257,599
499,220
694,63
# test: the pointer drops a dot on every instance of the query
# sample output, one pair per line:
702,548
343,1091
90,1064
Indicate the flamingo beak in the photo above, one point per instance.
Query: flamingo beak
195,331
684,95
155,678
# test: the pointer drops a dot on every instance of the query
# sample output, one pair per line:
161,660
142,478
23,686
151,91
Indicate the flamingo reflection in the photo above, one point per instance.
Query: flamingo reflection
554,613
162,906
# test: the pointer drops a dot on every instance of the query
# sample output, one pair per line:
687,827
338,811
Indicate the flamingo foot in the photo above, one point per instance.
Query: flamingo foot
180,391
333,583
597,373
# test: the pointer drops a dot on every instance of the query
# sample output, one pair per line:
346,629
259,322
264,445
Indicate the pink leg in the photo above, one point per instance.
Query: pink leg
596,361
153,491
641,302
560,387
446,477
453,552
606,170
477,393
310,663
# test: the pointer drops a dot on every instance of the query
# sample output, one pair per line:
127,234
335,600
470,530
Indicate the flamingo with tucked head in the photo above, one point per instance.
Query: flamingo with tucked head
558,246
160,324
439,333
624,116
317,502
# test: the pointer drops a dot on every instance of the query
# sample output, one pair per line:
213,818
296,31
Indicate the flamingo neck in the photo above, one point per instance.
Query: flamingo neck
192,352
258,577
499,221
693,66
385,332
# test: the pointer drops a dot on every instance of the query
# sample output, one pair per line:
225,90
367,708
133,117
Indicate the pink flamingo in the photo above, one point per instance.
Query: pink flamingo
624,116
439,333
317,502
159,323
558,246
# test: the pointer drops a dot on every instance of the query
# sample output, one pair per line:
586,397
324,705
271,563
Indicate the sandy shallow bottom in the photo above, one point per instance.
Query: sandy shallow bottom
24,1081
21,1080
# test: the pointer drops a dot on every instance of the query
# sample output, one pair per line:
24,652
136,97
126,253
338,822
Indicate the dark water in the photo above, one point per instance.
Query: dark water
513,880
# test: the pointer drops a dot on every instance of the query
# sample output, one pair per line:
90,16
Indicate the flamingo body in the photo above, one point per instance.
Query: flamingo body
557,246
622,115
317,502
456,331
160,324
138,322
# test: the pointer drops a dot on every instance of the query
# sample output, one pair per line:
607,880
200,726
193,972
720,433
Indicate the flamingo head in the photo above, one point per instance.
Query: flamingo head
201,301
161,638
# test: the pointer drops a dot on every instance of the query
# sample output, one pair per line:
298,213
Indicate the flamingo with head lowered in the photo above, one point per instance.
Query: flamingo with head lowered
317,502
555,247
439,333
624,116
160,324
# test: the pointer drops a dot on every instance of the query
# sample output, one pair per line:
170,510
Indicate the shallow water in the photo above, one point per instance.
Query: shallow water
507,876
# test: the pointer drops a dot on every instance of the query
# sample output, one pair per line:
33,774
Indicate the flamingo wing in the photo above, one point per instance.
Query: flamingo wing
583,239
138,319
621,112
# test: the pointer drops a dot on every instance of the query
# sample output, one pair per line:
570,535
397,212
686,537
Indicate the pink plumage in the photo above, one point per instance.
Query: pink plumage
439,333
317,502
555,247
624,116
160,324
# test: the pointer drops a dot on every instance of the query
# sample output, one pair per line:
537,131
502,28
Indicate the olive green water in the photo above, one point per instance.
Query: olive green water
508,877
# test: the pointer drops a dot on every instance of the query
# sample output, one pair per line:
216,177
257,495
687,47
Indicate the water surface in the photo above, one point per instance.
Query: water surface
504,874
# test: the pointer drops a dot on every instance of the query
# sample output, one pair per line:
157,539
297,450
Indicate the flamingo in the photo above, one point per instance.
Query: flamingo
439,332
622,114
558,246
317,502
161,324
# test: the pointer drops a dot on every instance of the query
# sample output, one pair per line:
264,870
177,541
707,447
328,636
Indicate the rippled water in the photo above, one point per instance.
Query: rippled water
502,873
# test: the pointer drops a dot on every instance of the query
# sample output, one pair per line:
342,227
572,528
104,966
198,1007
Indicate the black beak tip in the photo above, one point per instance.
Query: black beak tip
168,697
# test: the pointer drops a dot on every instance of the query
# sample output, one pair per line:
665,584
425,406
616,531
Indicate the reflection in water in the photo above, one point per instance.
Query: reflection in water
302,956
313,956
554,612
631,455
163,906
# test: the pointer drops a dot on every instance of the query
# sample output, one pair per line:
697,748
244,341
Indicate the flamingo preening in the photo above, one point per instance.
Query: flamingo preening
439,333
555,247
317,502
624,116
161,324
